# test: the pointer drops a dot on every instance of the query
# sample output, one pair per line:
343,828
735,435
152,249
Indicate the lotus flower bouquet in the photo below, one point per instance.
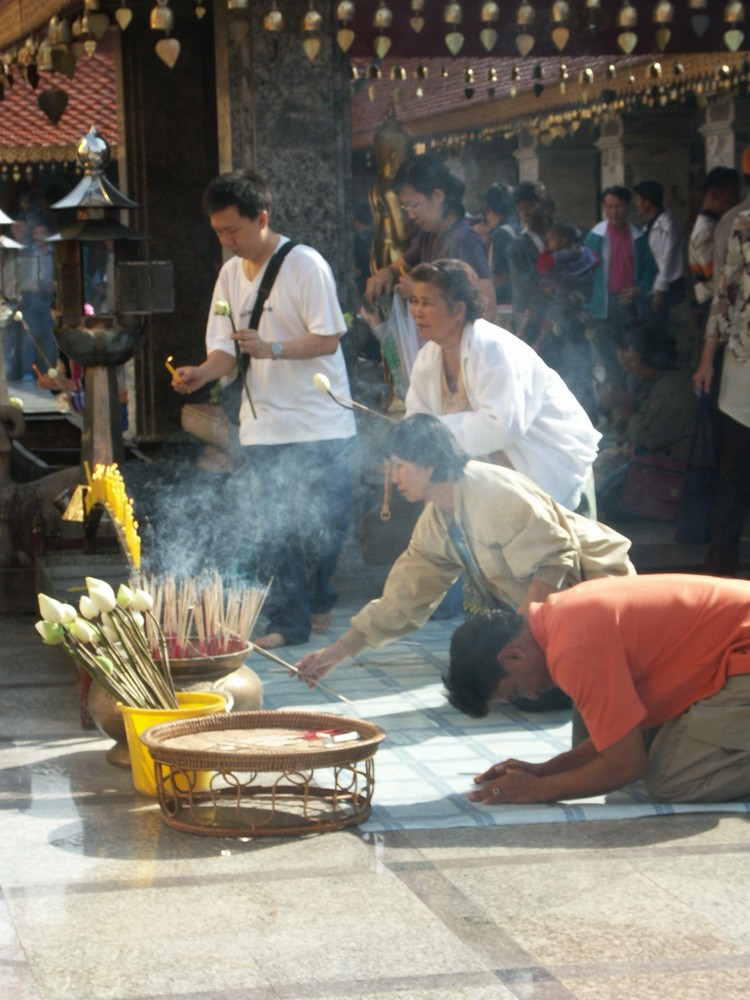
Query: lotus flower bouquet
106,636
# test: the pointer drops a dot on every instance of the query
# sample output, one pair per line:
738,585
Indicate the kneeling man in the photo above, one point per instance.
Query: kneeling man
659,668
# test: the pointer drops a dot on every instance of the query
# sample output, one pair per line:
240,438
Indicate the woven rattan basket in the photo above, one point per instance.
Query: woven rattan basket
264,773
206,743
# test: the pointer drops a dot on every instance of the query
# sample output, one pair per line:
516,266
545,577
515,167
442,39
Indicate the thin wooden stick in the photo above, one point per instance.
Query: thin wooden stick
290,666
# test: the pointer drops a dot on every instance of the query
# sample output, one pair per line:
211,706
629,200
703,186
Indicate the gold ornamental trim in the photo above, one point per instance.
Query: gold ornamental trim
38,154
700,73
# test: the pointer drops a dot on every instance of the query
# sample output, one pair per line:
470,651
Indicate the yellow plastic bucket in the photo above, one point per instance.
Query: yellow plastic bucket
138,720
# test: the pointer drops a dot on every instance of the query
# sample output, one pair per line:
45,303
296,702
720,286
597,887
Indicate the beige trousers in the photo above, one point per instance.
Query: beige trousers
704,754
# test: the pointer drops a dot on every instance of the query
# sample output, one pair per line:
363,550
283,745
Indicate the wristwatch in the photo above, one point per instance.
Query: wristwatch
277,350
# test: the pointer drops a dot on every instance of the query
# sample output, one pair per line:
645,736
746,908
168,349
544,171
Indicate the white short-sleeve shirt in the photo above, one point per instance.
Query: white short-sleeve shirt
303,300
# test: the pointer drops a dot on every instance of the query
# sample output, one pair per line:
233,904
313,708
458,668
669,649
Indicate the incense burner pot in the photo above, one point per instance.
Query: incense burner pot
225,672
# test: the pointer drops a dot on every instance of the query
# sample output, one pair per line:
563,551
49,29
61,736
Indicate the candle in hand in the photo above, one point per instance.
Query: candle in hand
172,370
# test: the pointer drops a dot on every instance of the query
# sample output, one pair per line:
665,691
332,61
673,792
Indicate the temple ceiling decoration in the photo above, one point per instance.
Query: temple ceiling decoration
374,29
447,103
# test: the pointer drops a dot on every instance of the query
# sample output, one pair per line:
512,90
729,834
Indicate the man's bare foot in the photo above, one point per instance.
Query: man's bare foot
272,640
320,623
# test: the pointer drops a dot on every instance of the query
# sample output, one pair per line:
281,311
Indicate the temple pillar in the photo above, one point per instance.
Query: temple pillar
288,117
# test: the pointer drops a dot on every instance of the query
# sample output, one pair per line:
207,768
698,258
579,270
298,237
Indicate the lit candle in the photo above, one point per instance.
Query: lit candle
172,370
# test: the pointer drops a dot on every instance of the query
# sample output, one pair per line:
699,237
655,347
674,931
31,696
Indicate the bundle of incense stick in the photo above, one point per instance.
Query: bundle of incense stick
200,616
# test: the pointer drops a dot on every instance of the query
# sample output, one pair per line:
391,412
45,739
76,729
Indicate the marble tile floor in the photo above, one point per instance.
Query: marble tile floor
99,900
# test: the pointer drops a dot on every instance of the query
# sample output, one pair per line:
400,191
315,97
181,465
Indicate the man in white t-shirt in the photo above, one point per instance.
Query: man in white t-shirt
297,443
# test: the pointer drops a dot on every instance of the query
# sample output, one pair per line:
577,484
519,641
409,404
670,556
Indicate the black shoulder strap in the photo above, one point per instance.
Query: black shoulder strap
266,284
269,276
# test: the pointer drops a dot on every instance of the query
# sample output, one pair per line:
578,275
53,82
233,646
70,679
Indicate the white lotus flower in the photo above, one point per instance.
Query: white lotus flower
87,608
50,609
83,631
124,596
143,601
321,382
52,632
138,619
108,629
69,613
101,594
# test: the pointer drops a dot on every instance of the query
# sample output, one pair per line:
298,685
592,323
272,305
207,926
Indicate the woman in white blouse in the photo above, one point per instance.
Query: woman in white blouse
500,401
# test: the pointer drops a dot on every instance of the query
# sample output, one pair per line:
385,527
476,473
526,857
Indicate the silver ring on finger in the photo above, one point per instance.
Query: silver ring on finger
496,792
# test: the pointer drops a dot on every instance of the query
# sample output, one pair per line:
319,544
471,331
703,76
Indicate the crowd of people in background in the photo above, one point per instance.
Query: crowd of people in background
572,295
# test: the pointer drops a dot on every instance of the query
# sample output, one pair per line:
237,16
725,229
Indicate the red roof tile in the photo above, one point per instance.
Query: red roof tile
28,135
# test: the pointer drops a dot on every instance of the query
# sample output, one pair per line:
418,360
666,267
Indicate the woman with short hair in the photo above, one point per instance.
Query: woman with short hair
515,543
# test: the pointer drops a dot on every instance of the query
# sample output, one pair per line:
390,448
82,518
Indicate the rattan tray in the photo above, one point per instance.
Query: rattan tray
240,741
264,773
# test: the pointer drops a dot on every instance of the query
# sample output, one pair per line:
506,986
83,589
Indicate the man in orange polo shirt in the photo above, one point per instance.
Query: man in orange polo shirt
659,668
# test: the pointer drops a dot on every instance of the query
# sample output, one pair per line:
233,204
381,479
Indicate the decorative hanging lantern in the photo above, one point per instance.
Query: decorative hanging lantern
489,15
453,16
734,15
417,15
44,57
525,17
627,16
161,17
313,20
699,22
662,17
663,13
627,19
311,25
559,15
123,15
97,19
344,14
382,20
273,21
